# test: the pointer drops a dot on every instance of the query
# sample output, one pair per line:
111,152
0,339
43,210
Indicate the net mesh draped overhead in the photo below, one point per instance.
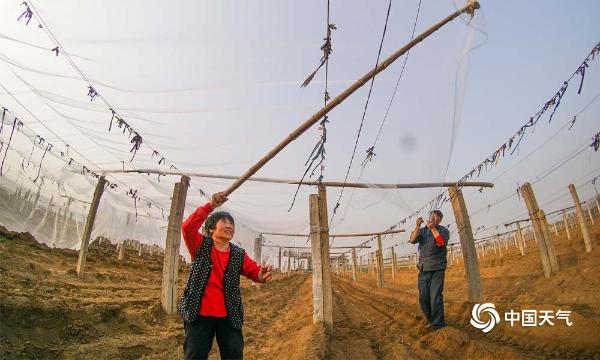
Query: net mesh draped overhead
213,89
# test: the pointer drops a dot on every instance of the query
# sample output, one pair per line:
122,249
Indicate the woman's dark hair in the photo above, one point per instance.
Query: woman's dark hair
213,219
439,213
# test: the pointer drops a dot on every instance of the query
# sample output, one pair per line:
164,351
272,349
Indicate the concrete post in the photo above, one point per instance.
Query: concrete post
394,264
465,232
589,210
327,290
566,223
379,262
171,257
89,224
354,270
540,227
579,213
280,264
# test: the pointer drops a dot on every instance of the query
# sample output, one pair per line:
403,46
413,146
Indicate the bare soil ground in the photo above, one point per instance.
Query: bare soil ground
387,323
114,312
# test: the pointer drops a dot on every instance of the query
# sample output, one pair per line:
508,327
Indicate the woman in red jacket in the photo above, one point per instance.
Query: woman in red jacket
211,303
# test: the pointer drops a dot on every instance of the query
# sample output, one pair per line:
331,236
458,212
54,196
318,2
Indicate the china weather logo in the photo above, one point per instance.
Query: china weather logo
493,317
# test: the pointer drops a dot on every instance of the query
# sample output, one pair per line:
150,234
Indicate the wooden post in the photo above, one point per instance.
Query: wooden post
497,244
64,219
566,223
289,263
121,246
549,243
520,240
89,224
580,217
25,201
280,268
467,243
171,257
394,265
47,213
343,266
327,290
354,270
589,210
540,228
258,248
37,198
379,262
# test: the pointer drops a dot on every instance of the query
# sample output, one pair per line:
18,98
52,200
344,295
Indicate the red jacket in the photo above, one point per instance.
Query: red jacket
213,299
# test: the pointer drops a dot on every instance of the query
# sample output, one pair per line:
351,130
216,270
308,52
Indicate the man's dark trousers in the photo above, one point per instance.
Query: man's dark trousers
199,337
431,298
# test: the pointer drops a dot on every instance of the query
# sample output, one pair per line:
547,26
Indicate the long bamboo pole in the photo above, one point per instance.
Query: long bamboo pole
340,235
308,247
310,183
468,8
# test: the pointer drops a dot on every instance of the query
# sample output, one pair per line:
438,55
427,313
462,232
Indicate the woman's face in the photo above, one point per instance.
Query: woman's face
224,229
435,218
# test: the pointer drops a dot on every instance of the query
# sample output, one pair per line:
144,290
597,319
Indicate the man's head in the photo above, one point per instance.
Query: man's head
436,217
221,225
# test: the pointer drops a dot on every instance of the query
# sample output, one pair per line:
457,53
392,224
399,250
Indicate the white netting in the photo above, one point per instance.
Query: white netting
211,90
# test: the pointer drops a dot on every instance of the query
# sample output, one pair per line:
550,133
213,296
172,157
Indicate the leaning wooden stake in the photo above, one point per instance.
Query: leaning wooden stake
520,239
258,248
89,225
379,262
354,269
467,243
65,219
566,224
171,257
394,265
589,210
538,219
279,262
327,290
581,218
258,253
469,8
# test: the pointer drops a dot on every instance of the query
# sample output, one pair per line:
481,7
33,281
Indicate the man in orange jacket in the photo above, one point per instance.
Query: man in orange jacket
211,304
